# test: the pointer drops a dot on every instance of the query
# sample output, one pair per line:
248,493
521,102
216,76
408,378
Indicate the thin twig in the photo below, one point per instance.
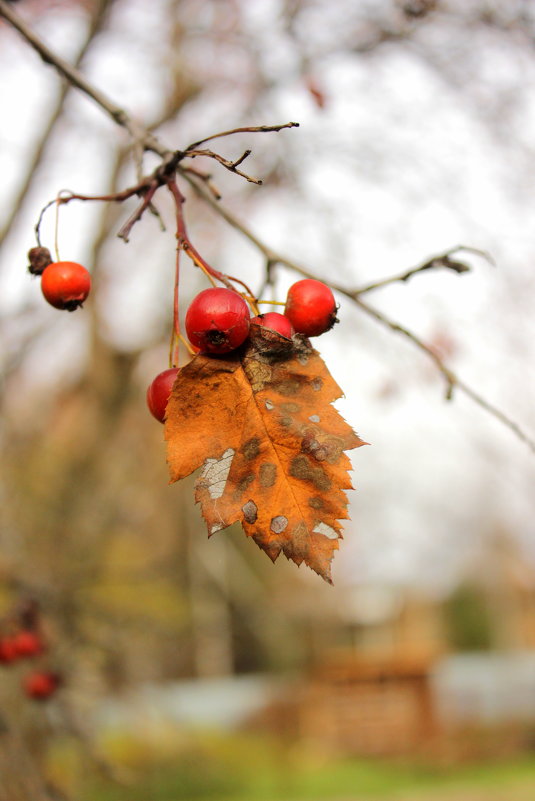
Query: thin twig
184,241
443,260
146,203
146,188
256,129
452,380
206,177
65,196
232,166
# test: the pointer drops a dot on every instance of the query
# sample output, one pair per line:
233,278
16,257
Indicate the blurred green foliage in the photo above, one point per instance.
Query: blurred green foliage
251,769
468,620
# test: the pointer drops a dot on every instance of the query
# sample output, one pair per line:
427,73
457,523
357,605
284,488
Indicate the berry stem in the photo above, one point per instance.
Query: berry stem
174,354
185,244
252,301
171,359
273,302
187,345
201,266
56,229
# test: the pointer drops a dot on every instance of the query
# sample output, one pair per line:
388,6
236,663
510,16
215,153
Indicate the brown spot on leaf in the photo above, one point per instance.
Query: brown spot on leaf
285,421
268,474
250,511
317,384
258,374
322,447
315,502
290,408
309,443
278,524
301,468
251,448
243,485
320,454
331,450
288,387
299,546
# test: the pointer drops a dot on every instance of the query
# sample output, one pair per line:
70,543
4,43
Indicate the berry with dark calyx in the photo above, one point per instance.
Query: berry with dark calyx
41,684
311,307
159,391
39,258
276,322
217,320
65,284
8,651
27,644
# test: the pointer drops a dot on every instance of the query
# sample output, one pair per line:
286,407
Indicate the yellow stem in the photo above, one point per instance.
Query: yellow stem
56,229
187,345
273,302
171,350
253,304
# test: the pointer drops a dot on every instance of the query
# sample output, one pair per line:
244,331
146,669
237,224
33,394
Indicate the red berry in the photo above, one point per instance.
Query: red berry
41,684
217,320
276,322
28,644
159,391
311,307
8,651
65,284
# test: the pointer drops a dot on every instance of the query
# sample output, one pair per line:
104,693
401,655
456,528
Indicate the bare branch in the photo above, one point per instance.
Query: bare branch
96,23
257,129
75,78
443,260
206,177
145,204
229,165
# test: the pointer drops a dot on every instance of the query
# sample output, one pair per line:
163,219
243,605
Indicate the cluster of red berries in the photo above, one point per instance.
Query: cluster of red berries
25,642
218,321
65,284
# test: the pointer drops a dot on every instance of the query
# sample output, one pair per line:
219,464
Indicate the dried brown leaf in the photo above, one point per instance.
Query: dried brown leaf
260,423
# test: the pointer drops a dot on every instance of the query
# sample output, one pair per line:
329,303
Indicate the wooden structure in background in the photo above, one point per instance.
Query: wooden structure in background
375,706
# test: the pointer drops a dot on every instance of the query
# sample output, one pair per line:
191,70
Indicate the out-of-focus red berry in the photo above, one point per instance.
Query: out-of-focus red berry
8,650
159,391
28,644
41,684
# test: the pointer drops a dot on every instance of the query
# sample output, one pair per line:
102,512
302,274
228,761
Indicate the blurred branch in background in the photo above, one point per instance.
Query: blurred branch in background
97,22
